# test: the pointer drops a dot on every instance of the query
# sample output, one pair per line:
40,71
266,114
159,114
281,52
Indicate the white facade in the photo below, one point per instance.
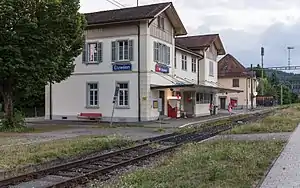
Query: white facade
92,85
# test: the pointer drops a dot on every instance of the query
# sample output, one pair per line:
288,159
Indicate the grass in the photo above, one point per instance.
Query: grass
218,122
219,164
284,120
21,155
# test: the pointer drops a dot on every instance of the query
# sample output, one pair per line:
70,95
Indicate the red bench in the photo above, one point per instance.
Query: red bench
89,115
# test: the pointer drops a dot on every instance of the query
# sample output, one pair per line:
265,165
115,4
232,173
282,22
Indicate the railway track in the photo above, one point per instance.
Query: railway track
80,171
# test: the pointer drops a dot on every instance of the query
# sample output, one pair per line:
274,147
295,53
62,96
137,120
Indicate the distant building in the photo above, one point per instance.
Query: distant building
232,74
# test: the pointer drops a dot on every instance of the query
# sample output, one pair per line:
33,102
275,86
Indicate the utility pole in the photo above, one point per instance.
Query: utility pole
50,100
251,82
262,53
137,3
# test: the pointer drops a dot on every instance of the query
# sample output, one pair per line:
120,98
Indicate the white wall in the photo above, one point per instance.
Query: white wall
202,109
69,97
191,76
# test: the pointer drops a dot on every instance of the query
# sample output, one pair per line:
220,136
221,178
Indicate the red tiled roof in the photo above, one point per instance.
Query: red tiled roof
229,67
200,42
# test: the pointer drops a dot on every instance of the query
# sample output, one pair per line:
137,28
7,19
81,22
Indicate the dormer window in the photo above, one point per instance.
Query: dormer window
161,22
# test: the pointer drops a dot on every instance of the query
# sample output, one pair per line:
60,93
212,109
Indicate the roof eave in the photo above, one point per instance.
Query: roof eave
177,23
118,22
189,51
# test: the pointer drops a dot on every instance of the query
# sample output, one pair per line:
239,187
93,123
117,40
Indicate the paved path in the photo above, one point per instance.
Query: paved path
84,128
285,172
254,137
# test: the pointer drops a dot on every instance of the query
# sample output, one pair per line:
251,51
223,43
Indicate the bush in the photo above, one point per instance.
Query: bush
16,124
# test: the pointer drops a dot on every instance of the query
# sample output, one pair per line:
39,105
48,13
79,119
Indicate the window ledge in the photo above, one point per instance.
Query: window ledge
127,61
92,63
92,107
122,107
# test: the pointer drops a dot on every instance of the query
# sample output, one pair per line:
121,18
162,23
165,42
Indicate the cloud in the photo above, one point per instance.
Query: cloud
244,25
275,39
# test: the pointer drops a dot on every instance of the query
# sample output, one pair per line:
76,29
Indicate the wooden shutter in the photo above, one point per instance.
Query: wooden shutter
168,55
130,50
154,52
113,51
84,51
99,52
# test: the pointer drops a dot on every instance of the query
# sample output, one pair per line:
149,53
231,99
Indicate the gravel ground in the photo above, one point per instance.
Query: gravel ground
133,133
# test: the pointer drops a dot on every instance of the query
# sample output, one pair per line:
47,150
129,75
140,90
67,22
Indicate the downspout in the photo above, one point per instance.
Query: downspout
198,72
139,73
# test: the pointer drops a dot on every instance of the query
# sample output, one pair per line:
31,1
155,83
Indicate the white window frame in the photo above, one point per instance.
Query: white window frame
194,65
124,92
162,53
211,68
94,102
202,98
233,82
161,22
95,54
124,53
184,62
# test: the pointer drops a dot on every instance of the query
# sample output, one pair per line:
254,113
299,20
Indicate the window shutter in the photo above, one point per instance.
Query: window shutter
168,55
154,52
100,53
113,51
165,60
84,51
130,42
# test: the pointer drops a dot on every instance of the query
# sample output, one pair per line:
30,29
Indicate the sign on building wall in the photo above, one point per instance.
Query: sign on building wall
161,68
122,67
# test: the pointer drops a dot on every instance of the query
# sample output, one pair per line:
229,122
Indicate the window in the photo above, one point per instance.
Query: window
194,69
161,53
123,95
183,62
211,68
235,83
122,50
203,98
92,52
92,95
161,22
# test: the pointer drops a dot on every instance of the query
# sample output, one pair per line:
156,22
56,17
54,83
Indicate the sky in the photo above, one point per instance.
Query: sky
244,25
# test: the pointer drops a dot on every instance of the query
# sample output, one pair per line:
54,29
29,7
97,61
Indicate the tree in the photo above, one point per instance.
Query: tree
39,42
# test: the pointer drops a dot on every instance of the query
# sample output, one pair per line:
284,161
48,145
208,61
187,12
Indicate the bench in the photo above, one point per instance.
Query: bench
89,115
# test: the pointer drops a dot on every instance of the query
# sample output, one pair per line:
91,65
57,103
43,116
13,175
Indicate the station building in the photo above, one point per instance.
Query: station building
145,53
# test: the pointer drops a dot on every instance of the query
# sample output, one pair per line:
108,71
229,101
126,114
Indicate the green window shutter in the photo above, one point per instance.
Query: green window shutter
130,43
84,52
113,51
168,55
100,52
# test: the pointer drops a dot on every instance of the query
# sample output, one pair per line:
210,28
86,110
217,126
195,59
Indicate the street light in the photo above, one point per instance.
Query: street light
289,48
